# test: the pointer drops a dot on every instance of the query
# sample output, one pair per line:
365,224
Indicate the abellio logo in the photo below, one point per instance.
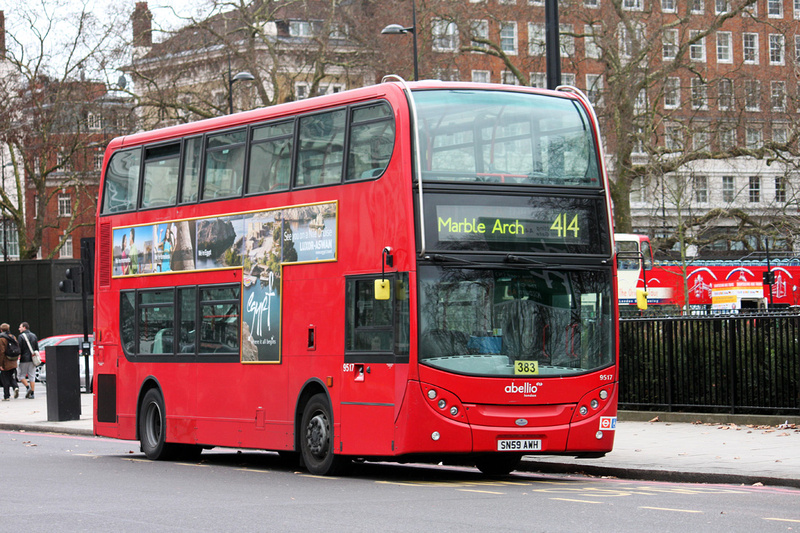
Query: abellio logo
526,388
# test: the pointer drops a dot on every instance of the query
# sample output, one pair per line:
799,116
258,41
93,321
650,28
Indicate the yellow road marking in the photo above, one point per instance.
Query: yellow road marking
783,520
481,491
674,510
570,500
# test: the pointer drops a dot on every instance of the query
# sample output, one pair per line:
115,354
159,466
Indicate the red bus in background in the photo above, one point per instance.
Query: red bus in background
403,271
715,285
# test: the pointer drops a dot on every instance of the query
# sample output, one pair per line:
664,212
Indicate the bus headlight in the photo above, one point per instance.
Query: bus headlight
432,394
442,404
583,410
598,435
595,404
453,411
435,435
603,394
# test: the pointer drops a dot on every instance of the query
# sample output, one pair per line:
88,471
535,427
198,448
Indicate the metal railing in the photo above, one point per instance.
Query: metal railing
730,363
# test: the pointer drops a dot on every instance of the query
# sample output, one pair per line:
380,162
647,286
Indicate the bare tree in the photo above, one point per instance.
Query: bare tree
46,102
290,47
662,103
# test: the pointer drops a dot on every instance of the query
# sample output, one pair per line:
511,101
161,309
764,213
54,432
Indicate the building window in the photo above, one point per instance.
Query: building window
506,2
97,160
780,190
508,78
508,38
445,36
637,193
750,48
535,2
568,78
9,238
797,9
672,93
697,6
669,44
725,90
724,53
668,6
778,95
780,134
673,138
300,28
594,89
94,121
539,79
481,76
755,189
753,138
777,44
701,141
480,30
697,51
728,192
566,40
700,189
536,39
591,48
752,95
66,249
721,6
591,3
727,138
797,48
640,104
64,205
775,8
637,146
699,94
632,5
301,90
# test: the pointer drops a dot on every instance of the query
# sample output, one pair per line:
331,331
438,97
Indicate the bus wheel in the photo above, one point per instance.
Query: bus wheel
316,438
498,464
153,427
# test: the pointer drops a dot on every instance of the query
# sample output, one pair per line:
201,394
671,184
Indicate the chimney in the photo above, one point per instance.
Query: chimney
142,21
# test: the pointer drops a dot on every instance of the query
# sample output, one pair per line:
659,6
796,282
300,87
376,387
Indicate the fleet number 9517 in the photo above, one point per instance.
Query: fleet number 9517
606,377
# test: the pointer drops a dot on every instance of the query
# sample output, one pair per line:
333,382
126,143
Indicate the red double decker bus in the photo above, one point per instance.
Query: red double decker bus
400,272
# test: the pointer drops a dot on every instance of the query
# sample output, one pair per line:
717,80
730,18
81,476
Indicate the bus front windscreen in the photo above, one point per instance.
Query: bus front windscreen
505,137
515,322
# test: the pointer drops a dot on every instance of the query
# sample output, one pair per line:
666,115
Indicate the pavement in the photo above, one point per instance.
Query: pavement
699,448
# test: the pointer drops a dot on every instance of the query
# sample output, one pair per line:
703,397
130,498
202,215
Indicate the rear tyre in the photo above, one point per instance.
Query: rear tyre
153,428
498,464
316,438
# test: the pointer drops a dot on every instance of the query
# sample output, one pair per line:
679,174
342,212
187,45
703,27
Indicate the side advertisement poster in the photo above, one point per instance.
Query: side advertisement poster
258,242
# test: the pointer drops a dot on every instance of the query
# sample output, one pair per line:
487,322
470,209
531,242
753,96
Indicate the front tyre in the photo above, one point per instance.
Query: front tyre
153,427
316,438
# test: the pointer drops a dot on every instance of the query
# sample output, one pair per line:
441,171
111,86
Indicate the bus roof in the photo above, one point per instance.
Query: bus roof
391,89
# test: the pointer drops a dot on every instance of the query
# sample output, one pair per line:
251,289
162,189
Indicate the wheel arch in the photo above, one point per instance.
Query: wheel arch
310,388
149,383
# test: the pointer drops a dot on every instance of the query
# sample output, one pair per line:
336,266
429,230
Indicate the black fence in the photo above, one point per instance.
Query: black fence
748,364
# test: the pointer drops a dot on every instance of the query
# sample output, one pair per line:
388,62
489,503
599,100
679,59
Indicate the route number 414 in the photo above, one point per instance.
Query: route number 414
563,224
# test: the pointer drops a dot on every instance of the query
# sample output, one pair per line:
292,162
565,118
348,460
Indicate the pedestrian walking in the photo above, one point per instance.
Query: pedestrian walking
8,362
28,346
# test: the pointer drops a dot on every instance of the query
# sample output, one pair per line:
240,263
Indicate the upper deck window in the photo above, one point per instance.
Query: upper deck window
271,158
321,148
371,141
161,175
505,137
224,165
122,182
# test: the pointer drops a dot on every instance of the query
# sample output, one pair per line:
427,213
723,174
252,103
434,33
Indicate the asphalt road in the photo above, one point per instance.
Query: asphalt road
78,483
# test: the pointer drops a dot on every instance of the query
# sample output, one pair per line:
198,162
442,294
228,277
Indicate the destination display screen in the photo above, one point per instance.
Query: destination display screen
516,224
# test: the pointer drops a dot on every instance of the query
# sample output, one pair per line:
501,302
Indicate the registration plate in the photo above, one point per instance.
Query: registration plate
519,445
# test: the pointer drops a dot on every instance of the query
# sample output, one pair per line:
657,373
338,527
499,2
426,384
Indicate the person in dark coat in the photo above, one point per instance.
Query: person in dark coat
8,367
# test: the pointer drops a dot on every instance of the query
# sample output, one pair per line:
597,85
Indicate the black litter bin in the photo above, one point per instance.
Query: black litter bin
63,383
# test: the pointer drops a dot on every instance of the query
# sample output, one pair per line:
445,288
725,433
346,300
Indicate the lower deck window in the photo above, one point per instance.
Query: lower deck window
184,321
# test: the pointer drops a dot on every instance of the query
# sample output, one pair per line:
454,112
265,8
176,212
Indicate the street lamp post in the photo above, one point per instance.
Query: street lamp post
396,29
241,76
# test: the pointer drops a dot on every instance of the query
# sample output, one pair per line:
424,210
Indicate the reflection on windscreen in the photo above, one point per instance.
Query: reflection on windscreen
484,321
505,137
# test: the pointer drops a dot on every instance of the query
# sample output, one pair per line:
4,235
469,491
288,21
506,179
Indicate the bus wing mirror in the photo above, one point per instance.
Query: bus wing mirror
383,289
641,299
